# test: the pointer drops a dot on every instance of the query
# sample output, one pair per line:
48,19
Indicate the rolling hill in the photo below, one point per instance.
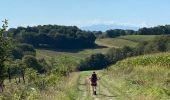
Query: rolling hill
138,38
105,44
142,78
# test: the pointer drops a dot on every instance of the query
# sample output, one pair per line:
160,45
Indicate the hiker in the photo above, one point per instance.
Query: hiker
93,80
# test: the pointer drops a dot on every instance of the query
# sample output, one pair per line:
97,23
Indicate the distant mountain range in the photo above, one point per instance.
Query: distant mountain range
103,27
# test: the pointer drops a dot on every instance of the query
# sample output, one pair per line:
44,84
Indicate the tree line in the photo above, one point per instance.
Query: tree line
71,37
54,36
100,61
158,30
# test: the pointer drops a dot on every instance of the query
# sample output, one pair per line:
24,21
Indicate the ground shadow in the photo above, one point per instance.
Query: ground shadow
72,50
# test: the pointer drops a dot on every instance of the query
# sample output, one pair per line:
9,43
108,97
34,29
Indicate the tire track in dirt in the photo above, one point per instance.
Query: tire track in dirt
86,91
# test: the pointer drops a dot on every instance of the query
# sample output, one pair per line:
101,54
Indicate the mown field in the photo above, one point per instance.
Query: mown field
116,42
138,38
75,54
128,40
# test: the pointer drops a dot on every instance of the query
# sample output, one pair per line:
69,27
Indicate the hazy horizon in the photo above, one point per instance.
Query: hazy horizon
145,13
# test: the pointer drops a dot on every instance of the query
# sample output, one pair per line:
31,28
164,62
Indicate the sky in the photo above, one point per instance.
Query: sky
140,13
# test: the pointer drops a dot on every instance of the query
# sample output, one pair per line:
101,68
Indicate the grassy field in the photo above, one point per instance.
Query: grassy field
75,54
142,78
115,42
138,38
128,40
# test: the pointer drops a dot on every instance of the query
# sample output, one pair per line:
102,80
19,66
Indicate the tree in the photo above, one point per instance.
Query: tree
16,69
162,42
150,48
4,52
20,50
32,62
94,62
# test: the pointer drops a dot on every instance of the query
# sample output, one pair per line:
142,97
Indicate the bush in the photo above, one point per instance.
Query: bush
94,62
32,62
23,49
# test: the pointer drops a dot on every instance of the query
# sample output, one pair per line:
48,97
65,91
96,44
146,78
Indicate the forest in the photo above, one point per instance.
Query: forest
54,36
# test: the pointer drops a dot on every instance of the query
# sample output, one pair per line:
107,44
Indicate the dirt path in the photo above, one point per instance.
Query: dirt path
85,91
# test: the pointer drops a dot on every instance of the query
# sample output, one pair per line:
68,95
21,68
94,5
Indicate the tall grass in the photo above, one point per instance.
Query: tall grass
63,90
145,77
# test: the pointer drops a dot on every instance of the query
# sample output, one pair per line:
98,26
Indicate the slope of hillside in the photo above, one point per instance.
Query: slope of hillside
107,43
75,53
115,42
127,40
138,38
142,78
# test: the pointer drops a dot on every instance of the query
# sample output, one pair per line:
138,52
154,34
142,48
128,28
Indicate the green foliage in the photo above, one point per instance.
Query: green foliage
5,47
23,49
64,65
162,59
100,61
95,61
118,32
54,36
32,62
37,74
16,67
155,30
162,42
37,80
158,30
19,92
115,55
159,44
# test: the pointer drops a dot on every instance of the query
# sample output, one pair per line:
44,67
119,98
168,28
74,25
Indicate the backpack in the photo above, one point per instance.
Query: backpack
94,78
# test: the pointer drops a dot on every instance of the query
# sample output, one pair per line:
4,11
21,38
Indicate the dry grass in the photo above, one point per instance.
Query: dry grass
64,90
